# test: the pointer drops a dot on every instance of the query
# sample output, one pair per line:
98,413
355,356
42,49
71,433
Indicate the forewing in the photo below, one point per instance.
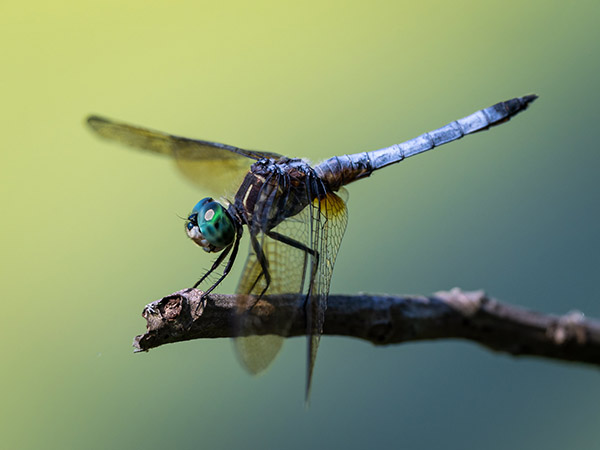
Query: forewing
307,272
329,218
210,165
287,266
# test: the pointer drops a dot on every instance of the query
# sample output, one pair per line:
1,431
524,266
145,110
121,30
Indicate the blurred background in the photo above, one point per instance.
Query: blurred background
90,231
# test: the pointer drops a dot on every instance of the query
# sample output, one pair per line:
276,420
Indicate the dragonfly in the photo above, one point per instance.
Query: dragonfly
295,215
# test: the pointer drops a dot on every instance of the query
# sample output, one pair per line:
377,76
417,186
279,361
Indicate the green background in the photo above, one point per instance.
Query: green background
90,232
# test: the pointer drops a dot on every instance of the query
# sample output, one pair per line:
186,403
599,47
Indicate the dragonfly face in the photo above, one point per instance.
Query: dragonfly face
292,211
210,226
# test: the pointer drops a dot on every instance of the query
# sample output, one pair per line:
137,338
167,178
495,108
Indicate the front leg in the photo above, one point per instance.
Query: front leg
215,265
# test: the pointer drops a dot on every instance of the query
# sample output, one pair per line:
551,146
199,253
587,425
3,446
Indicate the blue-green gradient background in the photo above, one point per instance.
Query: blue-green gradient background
90,232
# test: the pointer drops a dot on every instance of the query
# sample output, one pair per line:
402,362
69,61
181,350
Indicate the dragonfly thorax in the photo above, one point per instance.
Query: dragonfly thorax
210,226
274,190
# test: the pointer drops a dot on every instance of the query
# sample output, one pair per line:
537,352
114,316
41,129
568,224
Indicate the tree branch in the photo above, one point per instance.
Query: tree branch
383,320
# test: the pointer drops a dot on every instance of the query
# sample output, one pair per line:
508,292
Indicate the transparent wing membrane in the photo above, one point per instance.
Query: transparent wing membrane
299,254
286,266
210,165
221,178
330,217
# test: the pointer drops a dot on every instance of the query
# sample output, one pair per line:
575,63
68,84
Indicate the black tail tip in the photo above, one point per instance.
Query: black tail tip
529,98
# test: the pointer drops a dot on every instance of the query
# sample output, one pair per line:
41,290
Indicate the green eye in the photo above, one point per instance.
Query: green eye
214,223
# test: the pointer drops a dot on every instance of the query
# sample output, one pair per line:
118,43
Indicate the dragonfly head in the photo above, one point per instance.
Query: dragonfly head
210,226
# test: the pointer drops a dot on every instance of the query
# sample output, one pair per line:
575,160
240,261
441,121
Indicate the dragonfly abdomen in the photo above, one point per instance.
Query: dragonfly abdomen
341,170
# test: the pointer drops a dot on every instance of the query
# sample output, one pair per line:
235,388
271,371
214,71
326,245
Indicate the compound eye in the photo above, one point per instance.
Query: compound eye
214,223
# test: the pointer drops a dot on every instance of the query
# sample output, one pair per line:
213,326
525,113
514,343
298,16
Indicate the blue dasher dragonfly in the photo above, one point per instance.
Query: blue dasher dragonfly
295,215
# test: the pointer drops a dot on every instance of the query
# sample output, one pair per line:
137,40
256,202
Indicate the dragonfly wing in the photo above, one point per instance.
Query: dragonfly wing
329,217
303,269
256,352
209,165
218,177
287,269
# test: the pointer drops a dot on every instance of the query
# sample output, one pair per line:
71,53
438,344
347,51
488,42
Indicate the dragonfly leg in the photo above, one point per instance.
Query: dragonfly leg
264,264
289,241
215,265
228,267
